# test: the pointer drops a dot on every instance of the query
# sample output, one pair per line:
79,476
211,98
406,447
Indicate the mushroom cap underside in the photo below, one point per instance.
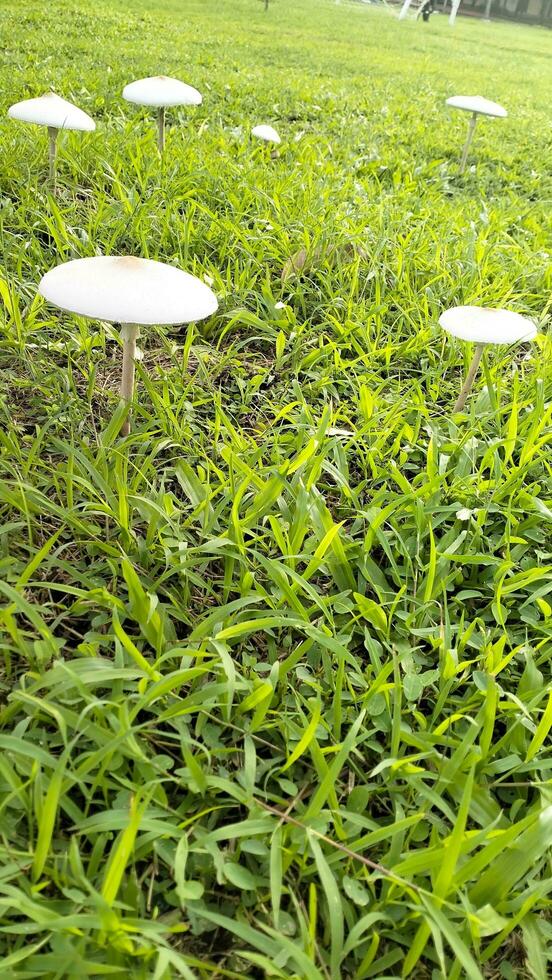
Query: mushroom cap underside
476,103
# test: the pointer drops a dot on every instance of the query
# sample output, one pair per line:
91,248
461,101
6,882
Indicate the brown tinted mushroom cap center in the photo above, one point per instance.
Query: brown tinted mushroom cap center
129,261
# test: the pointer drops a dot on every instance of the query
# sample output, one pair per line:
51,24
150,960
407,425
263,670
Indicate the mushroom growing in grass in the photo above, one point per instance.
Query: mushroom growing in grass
160,92
132,292
478,106
54,112
482,325
266,133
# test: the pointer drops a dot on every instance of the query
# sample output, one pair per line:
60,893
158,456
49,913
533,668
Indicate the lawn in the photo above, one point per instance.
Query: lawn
275,687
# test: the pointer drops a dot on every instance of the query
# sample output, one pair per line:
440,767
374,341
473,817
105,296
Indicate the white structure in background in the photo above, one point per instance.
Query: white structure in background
454,11
531,12
404,9
455,5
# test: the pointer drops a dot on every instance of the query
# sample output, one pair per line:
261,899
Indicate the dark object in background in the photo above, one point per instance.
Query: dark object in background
427,9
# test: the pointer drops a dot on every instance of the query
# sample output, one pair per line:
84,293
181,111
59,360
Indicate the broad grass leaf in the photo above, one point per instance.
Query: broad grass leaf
515,861
321,795
335,908
372,612
269,942
306,737
239,876
535,947
356,891
131,648
276,874
453,938
48,815
121,853
542,732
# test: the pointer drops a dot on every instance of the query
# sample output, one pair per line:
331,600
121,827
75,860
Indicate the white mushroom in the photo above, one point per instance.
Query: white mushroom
160,91
482,325
266,133
54,112
478,106
132,292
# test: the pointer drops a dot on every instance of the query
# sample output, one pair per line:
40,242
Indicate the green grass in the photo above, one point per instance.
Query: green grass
275,669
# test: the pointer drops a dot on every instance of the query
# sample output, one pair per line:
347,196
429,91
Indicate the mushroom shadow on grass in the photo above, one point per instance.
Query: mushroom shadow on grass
483,325
478,106
132,292
56,113
160,92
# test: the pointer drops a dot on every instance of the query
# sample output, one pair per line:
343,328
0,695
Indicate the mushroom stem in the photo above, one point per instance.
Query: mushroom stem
471,130
161,128
472,371
129,334
52,146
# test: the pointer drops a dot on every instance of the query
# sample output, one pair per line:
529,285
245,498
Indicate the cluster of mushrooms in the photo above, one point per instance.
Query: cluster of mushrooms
134,292
158,92
125,290
161,92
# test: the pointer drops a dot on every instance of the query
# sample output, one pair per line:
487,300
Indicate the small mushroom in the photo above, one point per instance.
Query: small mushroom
54,112
160,91
132,292
478,106
266,133
483,325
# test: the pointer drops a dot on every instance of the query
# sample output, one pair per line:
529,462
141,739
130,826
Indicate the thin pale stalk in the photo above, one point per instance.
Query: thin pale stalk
161,129
471,130
52,147
467,386
129,334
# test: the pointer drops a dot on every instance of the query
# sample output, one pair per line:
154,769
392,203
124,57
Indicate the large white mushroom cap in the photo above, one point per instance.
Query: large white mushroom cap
476,103
52,110
124,289
267,133
484,325
161,91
